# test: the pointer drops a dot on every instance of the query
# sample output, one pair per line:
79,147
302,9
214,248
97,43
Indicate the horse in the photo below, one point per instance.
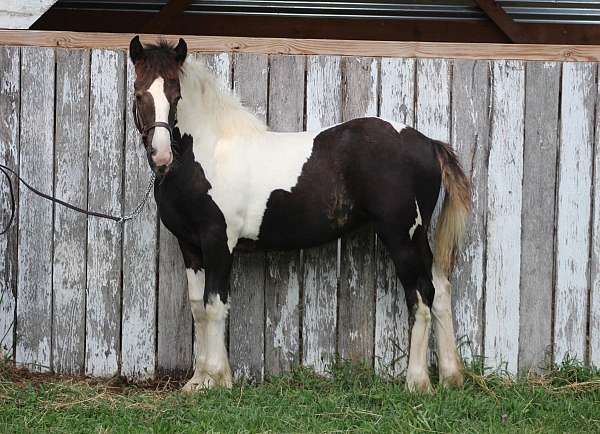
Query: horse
225,182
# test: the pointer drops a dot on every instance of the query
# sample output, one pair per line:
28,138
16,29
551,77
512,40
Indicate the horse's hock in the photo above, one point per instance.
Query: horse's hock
84,295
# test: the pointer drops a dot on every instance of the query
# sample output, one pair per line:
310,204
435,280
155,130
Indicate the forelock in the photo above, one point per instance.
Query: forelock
159,60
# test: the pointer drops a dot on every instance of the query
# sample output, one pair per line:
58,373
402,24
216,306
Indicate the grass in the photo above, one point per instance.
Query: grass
563,399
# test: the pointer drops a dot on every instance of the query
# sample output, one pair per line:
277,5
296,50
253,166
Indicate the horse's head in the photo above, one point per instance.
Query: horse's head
157,91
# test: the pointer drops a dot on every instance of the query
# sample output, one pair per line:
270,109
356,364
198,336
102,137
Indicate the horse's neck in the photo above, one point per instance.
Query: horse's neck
212,116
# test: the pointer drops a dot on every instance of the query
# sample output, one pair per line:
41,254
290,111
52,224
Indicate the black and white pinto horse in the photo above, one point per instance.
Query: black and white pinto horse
225,181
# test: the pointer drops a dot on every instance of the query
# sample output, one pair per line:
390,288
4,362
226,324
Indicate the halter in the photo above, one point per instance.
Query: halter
144,130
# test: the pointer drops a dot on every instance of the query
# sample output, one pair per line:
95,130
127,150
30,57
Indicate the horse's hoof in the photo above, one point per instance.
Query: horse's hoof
198,383
206,381
456,379
418,383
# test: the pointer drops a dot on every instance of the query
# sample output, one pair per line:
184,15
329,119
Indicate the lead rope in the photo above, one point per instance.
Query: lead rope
122,219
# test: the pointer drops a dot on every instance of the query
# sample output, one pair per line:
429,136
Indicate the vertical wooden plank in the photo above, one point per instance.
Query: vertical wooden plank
574,210
174,340
356,303
282,278
220,65
70,228
594,356
247,312
34,282
470,139
505,174
537,218
10,88
433,98
397,103
319,317
432,118
105,165
138,338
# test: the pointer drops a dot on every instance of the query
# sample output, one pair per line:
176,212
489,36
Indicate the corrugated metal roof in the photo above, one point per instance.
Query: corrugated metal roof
541,11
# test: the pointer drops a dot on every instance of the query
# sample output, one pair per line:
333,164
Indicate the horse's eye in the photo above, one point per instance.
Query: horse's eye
138,96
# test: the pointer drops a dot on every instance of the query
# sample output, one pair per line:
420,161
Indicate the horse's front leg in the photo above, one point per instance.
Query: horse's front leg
208,287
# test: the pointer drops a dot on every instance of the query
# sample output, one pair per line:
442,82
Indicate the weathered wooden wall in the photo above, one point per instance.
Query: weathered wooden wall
82,295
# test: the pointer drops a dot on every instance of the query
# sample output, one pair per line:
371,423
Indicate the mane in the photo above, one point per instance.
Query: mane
209,103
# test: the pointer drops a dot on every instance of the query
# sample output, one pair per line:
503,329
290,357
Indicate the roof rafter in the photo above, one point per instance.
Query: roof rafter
162,20
514,31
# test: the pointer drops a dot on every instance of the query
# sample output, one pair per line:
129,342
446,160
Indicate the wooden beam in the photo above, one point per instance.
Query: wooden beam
572,53
277,26
504,22
317,28
163,20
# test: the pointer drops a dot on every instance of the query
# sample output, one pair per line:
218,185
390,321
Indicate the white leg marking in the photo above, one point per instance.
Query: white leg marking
417,375
196,297
418,221
161,140
212,366
450,365
217,364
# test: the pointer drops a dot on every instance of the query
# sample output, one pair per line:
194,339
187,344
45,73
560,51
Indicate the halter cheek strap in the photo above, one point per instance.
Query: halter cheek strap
144,130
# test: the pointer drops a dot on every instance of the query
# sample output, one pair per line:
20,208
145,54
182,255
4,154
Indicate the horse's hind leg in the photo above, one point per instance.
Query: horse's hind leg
413,267
428,294
450,366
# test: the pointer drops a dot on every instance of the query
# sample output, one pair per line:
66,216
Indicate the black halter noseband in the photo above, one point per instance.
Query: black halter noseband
144,130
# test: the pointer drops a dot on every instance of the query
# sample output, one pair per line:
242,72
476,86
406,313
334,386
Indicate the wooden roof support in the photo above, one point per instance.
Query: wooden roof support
160,22
515,32
212,44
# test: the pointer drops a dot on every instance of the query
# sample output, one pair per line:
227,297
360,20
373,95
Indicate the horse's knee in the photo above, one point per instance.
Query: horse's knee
196,284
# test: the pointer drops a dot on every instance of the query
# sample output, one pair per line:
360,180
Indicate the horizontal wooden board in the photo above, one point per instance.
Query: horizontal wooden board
571,53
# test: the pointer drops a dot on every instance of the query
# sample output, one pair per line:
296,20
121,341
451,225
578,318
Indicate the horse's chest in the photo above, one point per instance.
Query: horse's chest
243,180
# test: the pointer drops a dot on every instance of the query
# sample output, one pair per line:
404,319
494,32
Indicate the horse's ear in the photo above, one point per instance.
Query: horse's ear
136,50
181,51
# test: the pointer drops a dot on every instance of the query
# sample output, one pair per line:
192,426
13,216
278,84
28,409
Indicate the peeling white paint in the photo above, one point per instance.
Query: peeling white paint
323,108
391,314
504,215
9,139
138,340
104,237
34,281
574,210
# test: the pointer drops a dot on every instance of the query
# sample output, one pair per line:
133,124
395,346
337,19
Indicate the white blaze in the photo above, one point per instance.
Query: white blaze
161,140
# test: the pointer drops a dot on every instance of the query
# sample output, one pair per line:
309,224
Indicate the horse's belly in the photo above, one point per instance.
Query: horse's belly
293,220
